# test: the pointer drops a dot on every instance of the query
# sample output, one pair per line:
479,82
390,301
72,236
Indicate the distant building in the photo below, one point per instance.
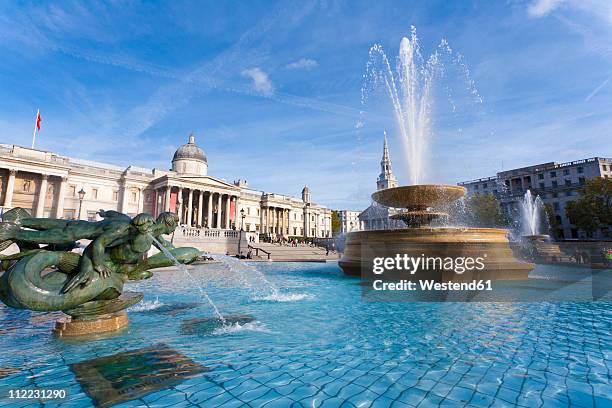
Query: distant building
376,216
48,185
555,183
349,221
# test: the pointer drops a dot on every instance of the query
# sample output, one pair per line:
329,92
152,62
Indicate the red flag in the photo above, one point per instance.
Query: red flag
38,120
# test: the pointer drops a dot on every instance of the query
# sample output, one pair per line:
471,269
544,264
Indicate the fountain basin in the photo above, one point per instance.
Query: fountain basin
489,243
419,197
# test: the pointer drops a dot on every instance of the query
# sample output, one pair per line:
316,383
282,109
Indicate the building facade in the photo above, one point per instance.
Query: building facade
48,185
349,221
555,183
377,216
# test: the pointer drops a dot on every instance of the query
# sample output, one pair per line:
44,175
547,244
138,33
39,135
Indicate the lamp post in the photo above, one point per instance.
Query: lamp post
242,217
81,196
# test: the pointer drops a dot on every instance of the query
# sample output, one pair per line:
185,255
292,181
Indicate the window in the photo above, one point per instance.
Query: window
134,197
555,195
484,185
568,182
541,185
258,212
553,174
475,186
91,216
555,184
69,214
581,180
148,197
581,169
115,195
541,176
294,230
72,191
566,172
94,193
556,206
568,193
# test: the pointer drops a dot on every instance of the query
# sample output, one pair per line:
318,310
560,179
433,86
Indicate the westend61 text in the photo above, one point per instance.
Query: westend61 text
432,285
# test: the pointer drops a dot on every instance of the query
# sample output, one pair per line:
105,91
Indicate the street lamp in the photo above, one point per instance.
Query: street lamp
242,216
81,196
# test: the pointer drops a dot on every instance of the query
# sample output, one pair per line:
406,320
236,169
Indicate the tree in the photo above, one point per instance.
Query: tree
594,208
484,211
335,223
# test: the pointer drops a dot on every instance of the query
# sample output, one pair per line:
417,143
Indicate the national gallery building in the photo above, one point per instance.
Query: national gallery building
50,185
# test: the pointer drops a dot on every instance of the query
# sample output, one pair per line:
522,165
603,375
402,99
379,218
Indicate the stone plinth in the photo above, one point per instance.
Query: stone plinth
68,326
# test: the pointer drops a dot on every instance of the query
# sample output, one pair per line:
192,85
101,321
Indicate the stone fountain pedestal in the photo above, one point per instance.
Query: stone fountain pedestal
419,239
97,317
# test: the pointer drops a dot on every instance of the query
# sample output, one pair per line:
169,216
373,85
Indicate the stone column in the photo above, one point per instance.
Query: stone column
42,195
236,212
190,208
10,186
200,207
219,211
140,200
167,199
227,211
59,208
281,220
262,211
210,205
179,205
124,199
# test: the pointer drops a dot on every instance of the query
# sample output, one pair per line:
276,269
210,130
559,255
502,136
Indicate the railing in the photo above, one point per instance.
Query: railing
190,232
259,249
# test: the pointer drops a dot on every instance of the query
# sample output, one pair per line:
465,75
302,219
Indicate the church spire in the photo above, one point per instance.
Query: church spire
386,179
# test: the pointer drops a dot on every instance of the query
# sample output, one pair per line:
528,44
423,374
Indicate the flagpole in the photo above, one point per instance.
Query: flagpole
35,127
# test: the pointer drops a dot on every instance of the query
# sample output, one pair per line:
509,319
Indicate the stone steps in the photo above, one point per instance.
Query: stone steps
280,253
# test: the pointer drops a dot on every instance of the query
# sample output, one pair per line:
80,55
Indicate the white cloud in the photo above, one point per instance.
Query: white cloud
261,82
540,8
303,63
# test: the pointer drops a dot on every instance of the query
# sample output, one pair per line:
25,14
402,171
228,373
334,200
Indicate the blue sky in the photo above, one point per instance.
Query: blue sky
272,90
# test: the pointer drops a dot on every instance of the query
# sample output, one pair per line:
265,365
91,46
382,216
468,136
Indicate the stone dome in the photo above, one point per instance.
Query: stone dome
190,151
189,159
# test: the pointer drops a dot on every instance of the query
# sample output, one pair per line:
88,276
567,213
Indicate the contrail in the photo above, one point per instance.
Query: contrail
596,90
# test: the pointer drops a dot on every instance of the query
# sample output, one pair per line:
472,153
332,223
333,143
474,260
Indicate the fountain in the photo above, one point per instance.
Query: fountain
87,287
537,246
419,204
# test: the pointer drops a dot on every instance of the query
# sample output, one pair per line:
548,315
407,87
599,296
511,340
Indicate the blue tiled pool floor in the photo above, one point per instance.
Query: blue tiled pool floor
322,345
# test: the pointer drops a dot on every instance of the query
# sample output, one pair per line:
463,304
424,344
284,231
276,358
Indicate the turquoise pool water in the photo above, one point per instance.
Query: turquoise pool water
316,344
